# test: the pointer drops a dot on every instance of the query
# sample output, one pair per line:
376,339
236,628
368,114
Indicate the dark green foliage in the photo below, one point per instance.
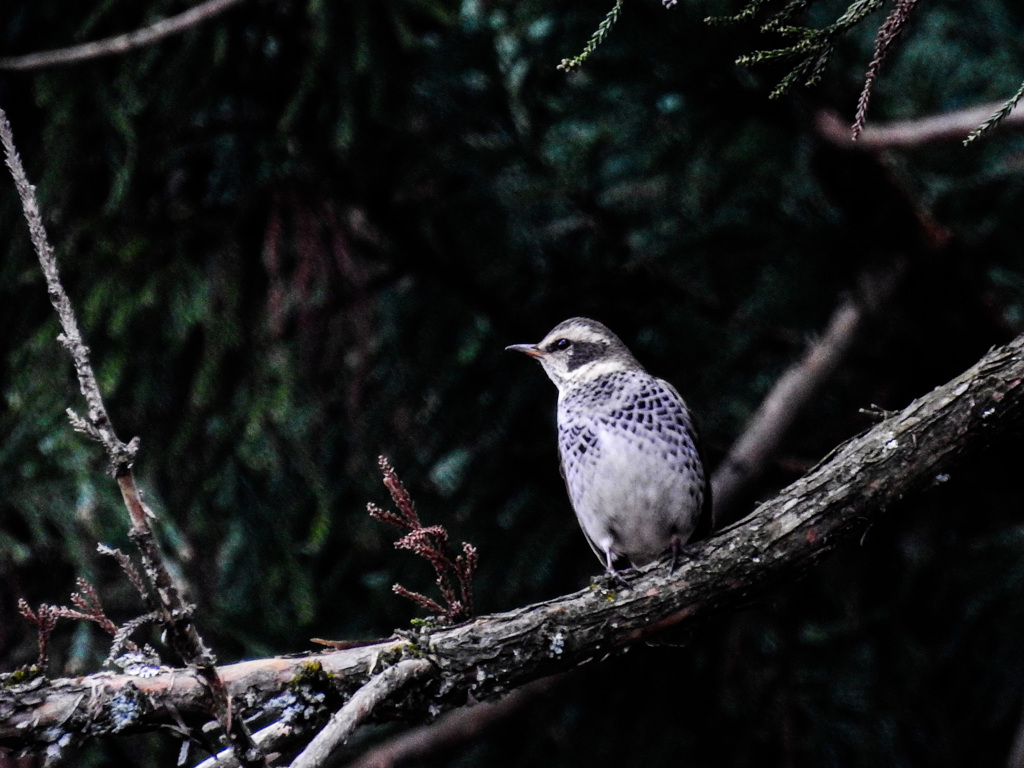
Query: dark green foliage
300,236
813,47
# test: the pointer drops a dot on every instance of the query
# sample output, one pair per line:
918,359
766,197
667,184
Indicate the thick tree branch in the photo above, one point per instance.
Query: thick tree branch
121,43
492,655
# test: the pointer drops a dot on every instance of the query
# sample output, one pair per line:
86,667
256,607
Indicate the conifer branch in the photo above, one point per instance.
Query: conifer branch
888,33
997,117
813,47
568,65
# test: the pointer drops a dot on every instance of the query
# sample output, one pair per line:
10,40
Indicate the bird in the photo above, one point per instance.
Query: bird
629,449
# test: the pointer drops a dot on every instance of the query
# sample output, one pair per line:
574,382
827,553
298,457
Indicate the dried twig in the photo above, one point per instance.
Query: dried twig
89,608
129,569
269,738
430,543
44,620
120,44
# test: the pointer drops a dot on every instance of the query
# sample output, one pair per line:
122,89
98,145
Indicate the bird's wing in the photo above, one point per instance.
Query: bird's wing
706,519
575,435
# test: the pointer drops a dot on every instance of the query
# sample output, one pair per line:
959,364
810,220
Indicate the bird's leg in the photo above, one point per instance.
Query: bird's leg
678,553
611,572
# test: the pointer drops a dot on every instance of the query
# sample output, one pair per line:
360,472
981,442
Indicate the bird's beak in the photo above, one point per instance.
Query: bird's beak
527,349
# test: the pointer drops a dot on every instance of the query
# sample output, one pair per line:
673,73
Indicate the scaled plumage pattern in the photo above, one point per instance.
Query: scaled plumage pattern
629,448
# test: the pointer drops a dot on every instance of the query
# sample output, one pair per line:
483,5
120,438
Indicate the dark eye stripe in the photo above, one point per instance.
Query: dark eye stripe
584,352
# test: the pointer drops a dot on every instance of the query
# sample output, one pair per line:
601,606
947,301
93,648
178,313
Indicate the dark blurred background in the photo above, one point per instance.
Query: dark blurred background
300,235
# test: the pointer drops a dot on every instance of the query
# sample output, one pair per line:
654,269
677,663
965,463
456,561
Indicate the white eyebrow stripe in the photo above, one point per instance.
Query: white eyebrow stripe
575,333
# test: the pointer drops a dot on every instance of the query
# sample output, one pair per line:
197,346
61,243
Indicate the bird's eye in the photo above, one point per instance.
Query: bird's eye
561,344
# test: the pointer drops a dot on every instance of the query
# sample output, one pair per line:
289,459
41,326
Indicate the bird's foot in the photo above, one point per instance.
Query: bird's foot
678,552
612,578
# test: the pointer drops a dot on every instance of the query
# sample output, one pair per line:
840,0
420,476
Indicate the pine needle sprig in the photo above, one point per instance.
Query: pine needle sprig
893,26
997,117
568,65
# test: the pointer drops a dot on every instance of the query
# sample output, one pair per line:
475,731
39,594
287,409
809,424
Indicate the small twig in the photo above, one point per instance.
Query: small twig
120,44
98,424
44,620
89,607
421,600
129,570
122,635
358,709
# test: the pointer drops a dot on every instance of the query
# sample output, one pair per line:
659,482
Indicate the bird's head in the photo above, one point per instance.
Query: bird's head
578,351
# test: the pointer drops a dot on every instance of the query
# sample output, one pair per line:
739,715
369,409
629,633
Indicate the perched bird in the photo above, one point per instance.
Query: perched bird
630,456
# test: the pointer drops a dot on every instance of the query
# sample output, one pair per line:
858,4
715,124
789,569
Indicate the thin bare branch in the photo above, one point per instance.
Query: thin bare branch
268,738
950,126
175,614
129,570
98,424
112,46
766,429
44,620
